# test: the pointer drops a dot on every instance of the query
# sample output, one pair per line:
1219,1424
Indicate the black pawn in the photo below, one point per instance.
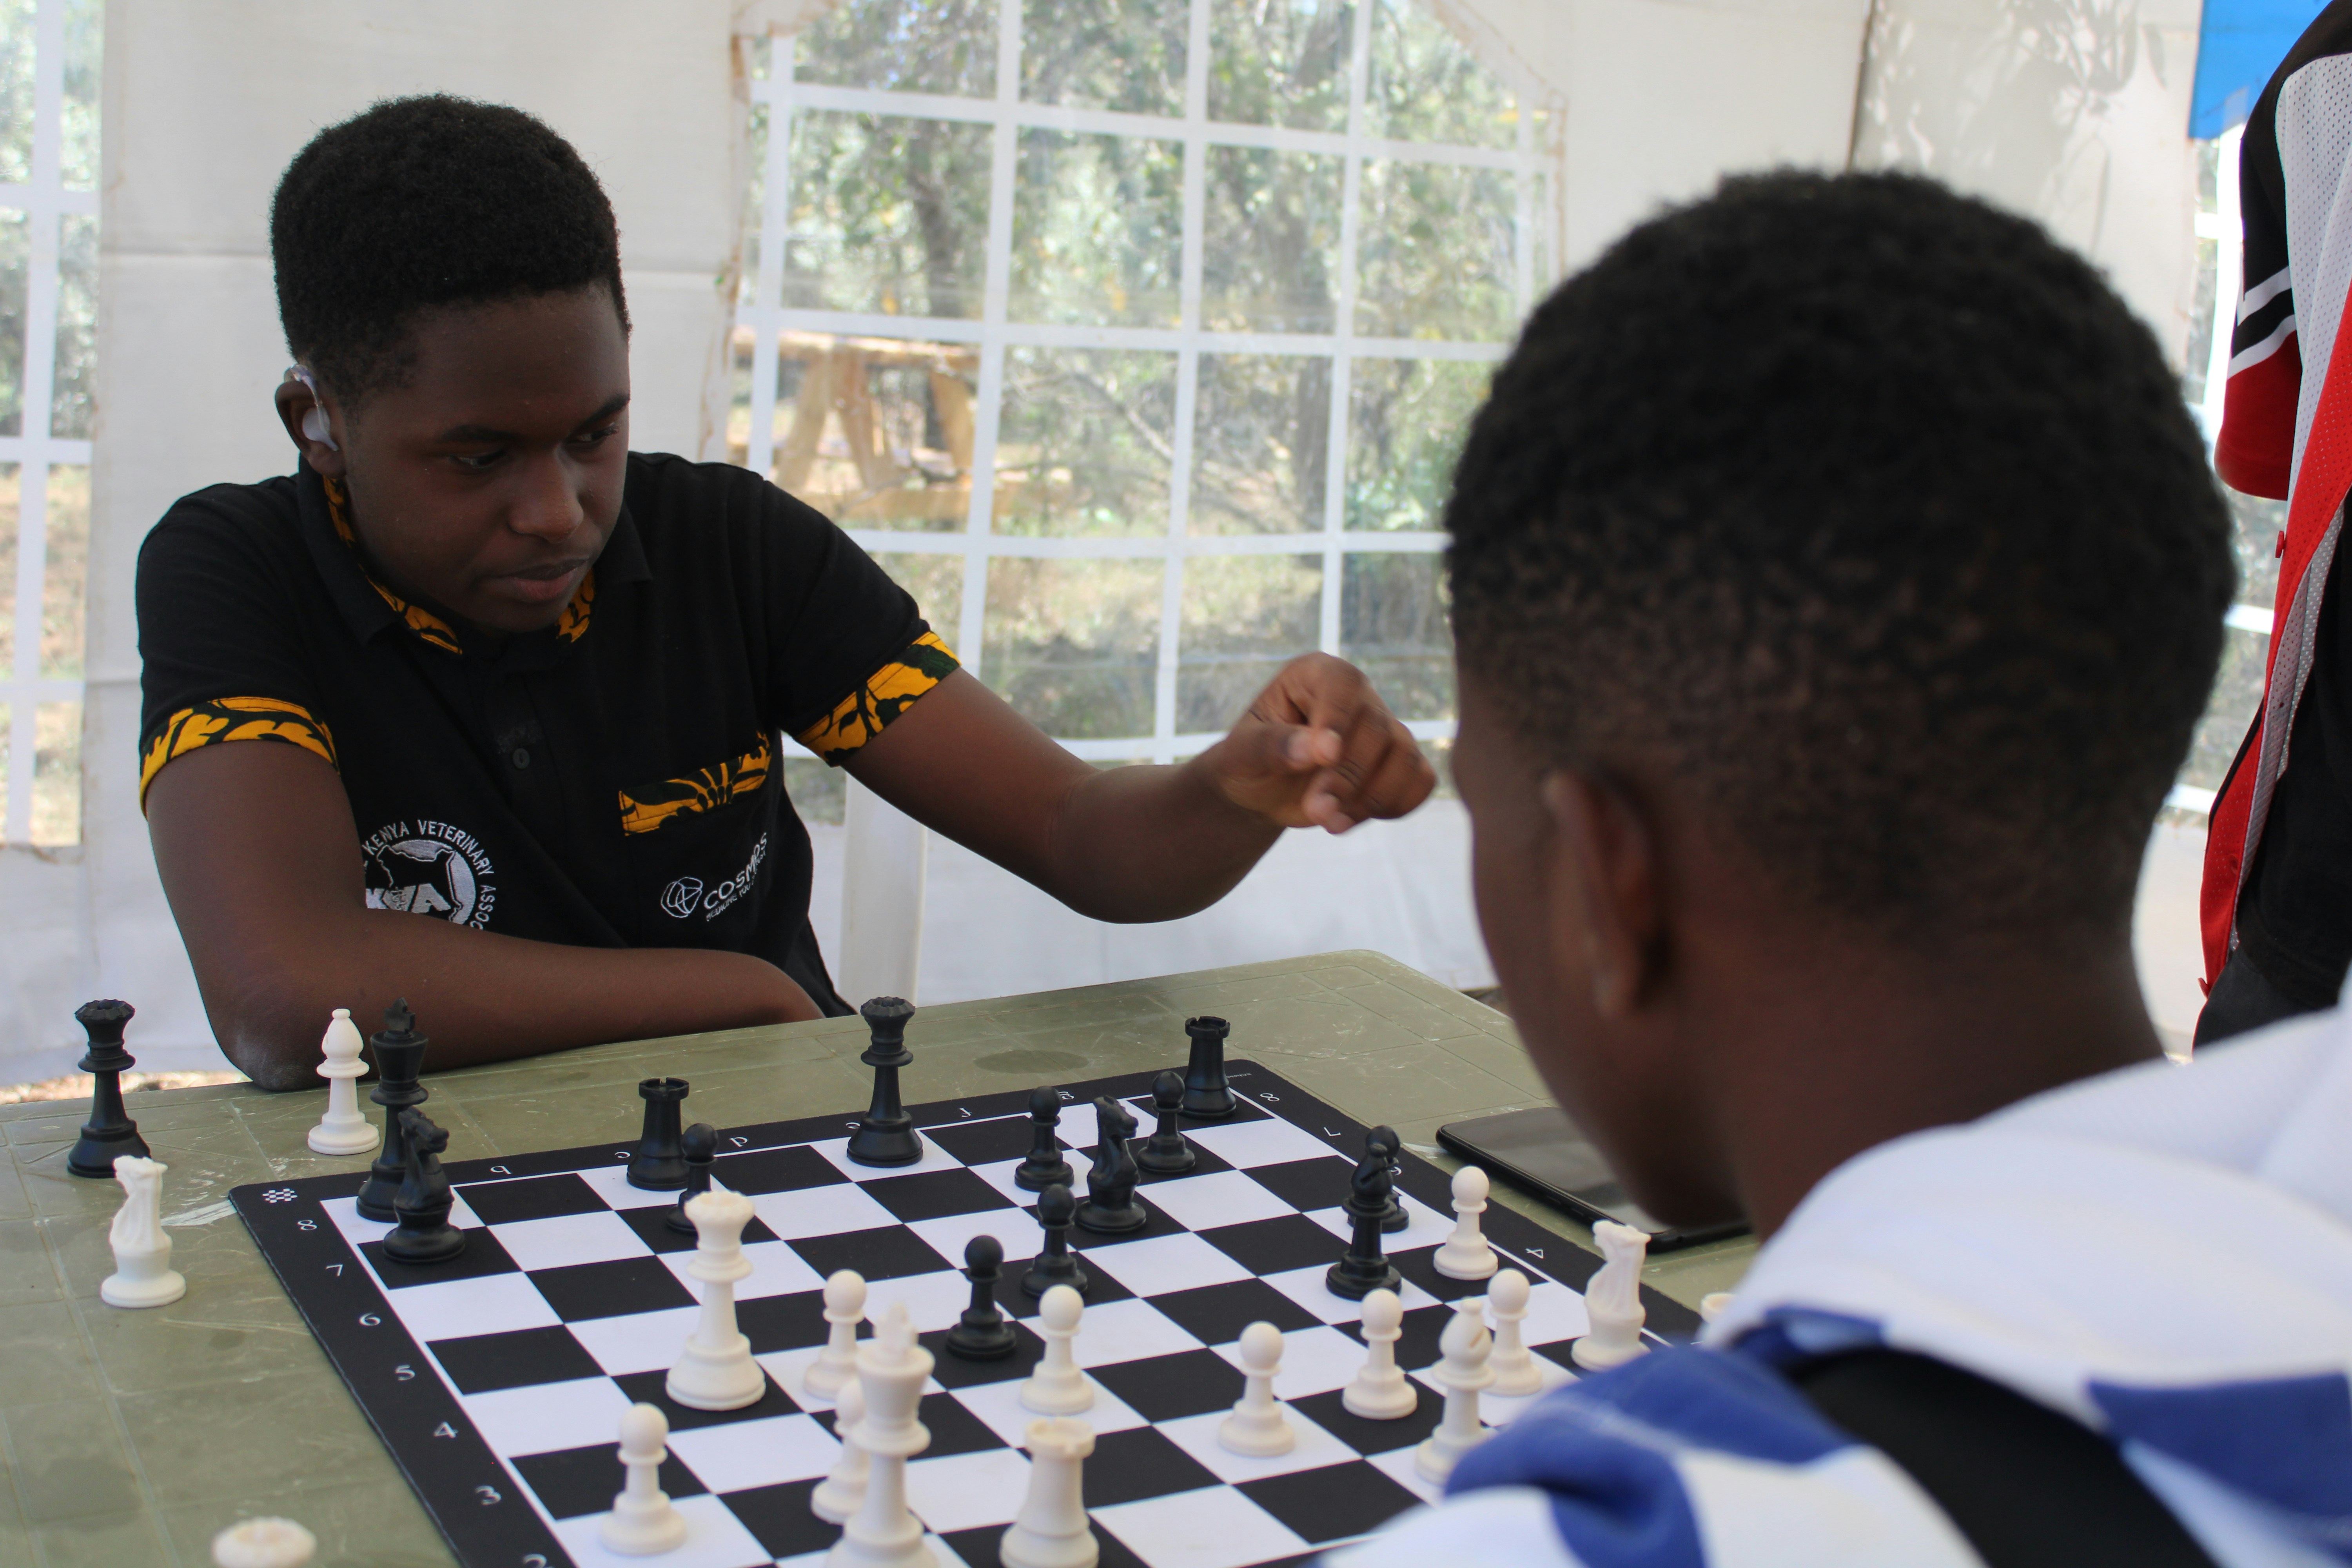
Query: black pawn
399,1058
1045,1167
658,1164
701,1143
424,1234
1364,1267
1205,1092
1057,1264
1110,1208
1165,1152
109,1133
984,1333
1384,1142
886,1135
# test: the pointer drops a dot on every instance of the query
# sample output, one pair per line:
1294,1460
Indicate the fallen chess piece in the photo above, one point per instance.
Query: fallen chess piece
984,1332
109,1133
344,1129
1044,1166
264,1543
1380,1391
1463,1371
1055,1264
844,1308
844,1487
1206,1093
1516,1375
886,1135
891,1368
715,1370
1613,1300
1110,1208
399,1060
143,1275
643,1523
699,1144
1166,1152
423,1235
1467,1254
1051,1530
1058,1387
1257,1427
657,1161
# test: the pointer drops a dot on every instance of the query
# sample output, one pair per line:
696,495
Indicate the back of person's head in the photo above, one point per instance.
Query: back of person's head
1874,517
422,203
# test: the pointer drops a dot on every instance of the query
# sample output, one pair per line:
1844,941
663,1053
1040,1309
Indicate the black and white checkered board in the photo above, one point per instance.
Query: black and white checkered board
498,1380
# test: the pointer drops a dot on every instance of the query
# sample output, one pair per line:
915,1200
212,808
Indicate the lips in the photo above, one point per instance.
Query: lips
541,584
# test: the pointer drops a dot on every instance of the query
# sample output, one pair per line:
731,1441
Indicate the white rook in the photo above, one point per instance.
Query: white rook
1051,1530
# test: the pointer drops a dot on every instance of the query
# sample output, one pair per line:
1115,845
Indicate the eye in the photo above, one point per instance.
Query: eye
597,437
477,462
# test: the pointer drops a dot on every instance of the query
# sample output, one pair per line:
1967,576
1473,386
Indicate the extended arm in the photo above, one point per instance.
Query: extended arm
260,859
1317,749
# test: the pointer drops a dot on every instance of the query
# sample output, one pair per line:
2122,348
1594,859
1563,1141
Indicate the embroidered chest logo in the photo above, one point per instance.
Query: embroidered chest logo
682,899
426,868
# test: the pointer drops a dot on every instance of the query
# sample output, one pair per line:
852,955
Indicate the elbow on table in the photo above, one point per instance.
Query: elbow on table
269,1035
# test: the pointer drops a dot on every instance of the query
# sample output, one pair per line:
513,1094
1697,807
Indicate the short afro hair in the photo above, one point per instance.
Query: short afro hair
1874,515
426,202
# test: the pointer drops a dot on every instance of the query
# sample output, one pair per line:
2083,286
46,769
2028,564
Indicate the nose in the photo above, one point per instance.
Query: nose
546,504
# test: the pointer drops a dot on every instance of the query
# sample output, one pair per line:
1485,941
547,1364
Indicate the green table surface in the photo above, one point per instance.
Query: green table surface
131,1437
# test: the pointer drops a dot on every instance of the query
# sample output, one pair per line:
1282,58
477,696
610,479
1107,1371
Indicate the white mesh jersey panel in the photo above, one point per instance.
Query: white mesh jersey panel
2315,139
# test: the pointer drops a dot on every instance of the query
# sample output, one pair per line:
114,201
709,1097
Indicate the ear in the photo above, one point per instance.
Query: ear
297,406
1611,854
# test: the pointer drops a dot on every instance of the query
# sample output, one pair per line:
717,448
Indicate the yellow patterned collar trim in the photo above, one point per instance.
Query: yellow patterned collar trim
428,626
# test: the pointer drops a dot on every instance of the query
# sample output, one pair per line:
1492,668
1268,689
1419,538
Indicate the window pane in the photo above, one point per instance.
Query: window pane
57,773
1427,87
1104,54
78,153
2260,522
1073,645
11,491
1244,617
77,364
1437,258
14,235
905,46
1406,420
887,215
1097,227
937,583
819,791
1393,624
1258,444
1084,444
1280,62
65,582
1270,258
2237,694
876,432
755,206
17,29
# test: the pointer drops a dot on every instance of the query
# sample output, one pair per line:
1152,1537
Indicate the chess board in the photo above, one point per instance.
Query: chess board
497,1380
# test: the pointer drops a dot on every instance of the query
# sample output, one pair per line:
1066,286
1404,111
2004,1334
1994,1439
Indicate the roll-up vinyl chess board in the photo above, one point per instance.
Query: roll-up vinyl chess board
498,1380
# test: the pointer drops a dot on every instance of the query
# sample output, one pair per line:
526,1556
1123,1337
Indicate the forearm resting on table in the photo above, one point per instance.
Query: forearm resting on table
260,860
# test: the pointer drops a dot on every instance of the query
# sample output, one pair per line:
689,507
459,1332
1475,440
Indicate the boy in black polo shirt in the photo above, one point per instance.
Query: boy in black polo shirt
529,684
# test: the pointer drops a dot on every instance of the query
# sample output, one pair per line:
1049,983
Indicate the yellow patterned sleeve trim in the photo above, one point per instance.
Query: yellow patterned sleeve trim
876,706
650,807
233,718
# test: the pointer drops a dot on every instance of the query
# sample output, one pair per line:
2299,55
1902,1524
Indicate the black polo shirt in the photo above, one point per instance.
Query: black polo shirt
609,782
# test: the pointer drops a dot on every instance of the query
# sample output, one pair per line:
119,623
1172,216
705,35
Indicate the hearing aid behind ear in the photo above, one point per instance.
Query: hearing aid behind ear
314,423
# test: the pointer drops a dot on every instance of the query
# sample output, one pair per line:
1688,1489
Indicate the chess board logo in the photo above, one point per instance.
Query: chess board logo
426,868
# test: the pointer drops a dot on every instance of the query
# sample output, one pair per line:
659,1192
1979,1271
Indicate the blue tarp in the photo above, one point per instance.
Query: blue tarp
2239,45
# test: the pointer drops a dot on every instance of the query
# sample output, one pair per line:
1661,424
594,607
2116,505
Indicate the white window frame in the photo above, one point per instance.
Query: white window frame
46,202
1007,115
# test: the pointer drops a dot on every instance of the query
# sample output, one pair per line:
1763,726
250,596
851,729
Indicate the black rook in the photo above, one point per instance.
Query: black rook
658,1164
1205,1094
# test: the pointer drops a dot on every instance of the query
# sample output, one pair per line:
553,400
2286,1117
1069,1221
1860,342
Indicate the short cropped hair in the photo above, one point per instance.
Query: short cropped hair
426,202
1872,514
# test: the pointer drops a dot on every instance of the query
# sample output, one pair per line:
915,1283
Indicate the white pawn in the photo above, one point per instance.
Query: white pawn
1058,1387
844,1308
1051,1530
1467,1254
344,1129
1513,1364
844,1489
143,1275
1612,1299
1257,1427
642,1522
1463,1369
891,1369
1380,1391
264,1543
715,1371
